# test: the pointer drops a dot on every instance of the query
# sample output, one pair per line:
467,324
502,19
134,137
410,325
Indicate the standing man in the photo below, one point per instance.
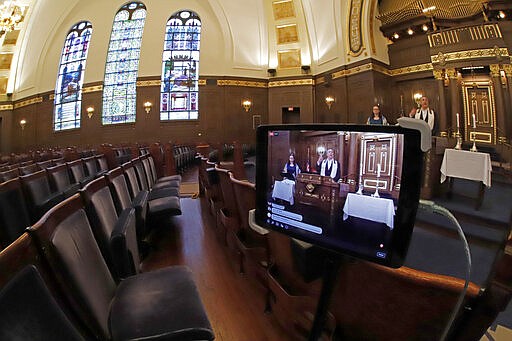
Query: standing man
329,167
426,114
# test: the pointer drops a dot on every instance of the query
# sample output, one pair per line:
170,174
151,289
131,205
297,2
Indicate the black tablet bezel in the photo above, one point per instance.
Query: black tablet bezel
410,185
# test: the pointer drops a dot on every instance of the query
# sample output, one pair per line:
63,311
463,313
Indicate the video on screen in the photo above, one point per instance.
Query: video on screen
340,188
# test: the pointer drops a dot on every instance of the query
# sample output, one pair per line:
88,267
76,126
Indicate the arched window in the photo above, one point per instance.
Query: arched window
180,67
68,90
120,85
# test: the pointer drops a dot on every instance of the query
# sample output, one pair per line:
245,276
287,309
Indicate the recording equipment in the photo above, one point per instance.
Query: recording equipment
369,212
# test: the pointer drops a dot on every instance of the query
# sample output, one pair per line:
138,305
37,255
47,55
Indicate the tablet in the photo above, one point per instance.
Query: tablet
357,191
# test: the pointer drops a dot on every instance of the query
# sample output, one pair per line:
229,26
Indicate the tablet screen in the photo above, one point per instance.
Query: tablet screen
351,189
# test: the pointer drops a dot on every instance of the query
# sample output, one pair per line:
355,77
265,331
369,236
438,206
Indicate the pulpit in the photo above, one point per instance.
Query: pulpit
319,191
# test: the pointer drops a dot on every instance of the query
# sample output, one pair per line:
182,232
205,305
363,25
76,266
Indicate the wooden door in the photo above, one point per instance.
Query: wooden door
378,163
479,101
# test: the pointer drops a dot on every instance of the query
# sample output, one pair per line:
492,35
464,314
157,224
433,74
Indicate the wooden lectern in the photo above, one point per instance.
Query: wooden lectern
319,191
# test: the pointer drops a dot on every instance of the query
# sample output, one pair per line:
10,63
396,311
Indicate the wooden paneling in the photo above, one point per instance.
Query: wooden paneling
221,119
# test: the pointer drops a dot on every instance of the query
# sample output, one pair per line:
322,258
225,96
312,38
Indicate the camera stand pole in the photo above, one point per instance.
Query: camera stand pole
332,265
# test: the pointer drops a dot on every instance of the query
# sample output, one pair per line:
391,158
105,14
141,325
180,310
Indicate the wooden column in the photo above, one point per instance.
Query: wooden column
353,172
455,93
508,72
498,96
441,114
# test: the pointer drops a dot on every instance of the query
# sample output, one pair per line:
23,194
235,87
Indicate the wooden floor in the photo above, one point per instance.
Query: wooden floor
234,305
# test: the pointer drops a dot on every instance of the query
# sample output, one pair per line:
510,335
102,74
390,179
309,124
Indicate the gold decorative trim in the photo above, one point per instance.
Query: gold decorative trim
6,107
28,102
283,9
495,70
464,34
51,97
480,137
358,69
411,69
354,28
292,82
372,23
201,82
320,80
496,52
451,73
90,89
438,74
156,82
233,82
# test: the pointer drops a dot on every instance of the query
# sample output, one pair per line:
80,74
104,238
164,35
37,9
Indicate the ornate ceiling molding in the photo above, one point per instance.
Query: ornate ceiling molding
496,52
291,82
6,107
90,89
28,102
155,82
244,83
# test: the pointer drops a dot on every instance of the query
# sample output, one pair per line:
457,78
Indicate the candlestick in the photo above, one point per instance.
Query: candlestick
474,121
457,121
378,170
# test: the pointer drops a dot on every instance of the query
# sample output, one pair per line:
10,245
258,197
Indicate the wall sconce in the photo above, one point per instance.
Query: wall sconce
246,104
23,122
147,106
305,68
90,111
271,72
417,98
329,100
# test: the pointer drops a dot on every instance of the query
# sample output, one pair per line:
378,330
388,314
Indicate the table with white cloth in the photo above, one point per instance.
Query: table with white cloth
380,210
284,190
468,165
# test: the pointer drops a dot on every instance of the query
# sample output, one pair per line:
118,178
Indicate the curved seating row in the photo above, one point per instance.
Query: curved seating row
27,198
56,284
89,285
370,302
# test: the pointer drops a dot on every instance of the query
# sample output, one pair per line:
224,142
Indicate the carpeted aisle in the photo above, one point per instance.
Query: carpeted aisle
189,189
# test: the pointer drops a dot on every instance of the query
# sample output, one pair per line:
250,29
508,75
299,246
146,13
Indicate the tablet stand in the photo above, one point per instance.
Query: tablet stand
332,266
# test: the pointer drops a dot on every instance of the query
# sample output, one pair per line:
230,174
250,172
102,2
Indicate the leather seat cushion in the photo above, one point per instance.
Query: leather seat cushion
29,312
167,206
162,304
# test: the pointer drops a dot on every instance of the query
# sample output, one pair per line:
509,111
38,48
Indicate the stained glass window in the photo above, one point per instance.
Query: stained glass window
68,90
180,67
120,85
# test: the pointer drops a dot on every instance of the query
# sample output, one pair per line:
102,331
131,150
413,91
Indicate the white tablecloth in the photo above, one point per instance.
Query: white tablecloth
466,165
284,190
366,207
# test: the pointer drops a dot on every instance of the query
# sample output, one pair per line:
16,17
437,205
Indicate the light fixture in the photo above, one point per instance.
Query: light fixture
329,100
417,98
90,111
271,72
396,35
501,15
12,14
305,68
147,106
410,31
246,104
429,9
424,27
320,150
23,122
